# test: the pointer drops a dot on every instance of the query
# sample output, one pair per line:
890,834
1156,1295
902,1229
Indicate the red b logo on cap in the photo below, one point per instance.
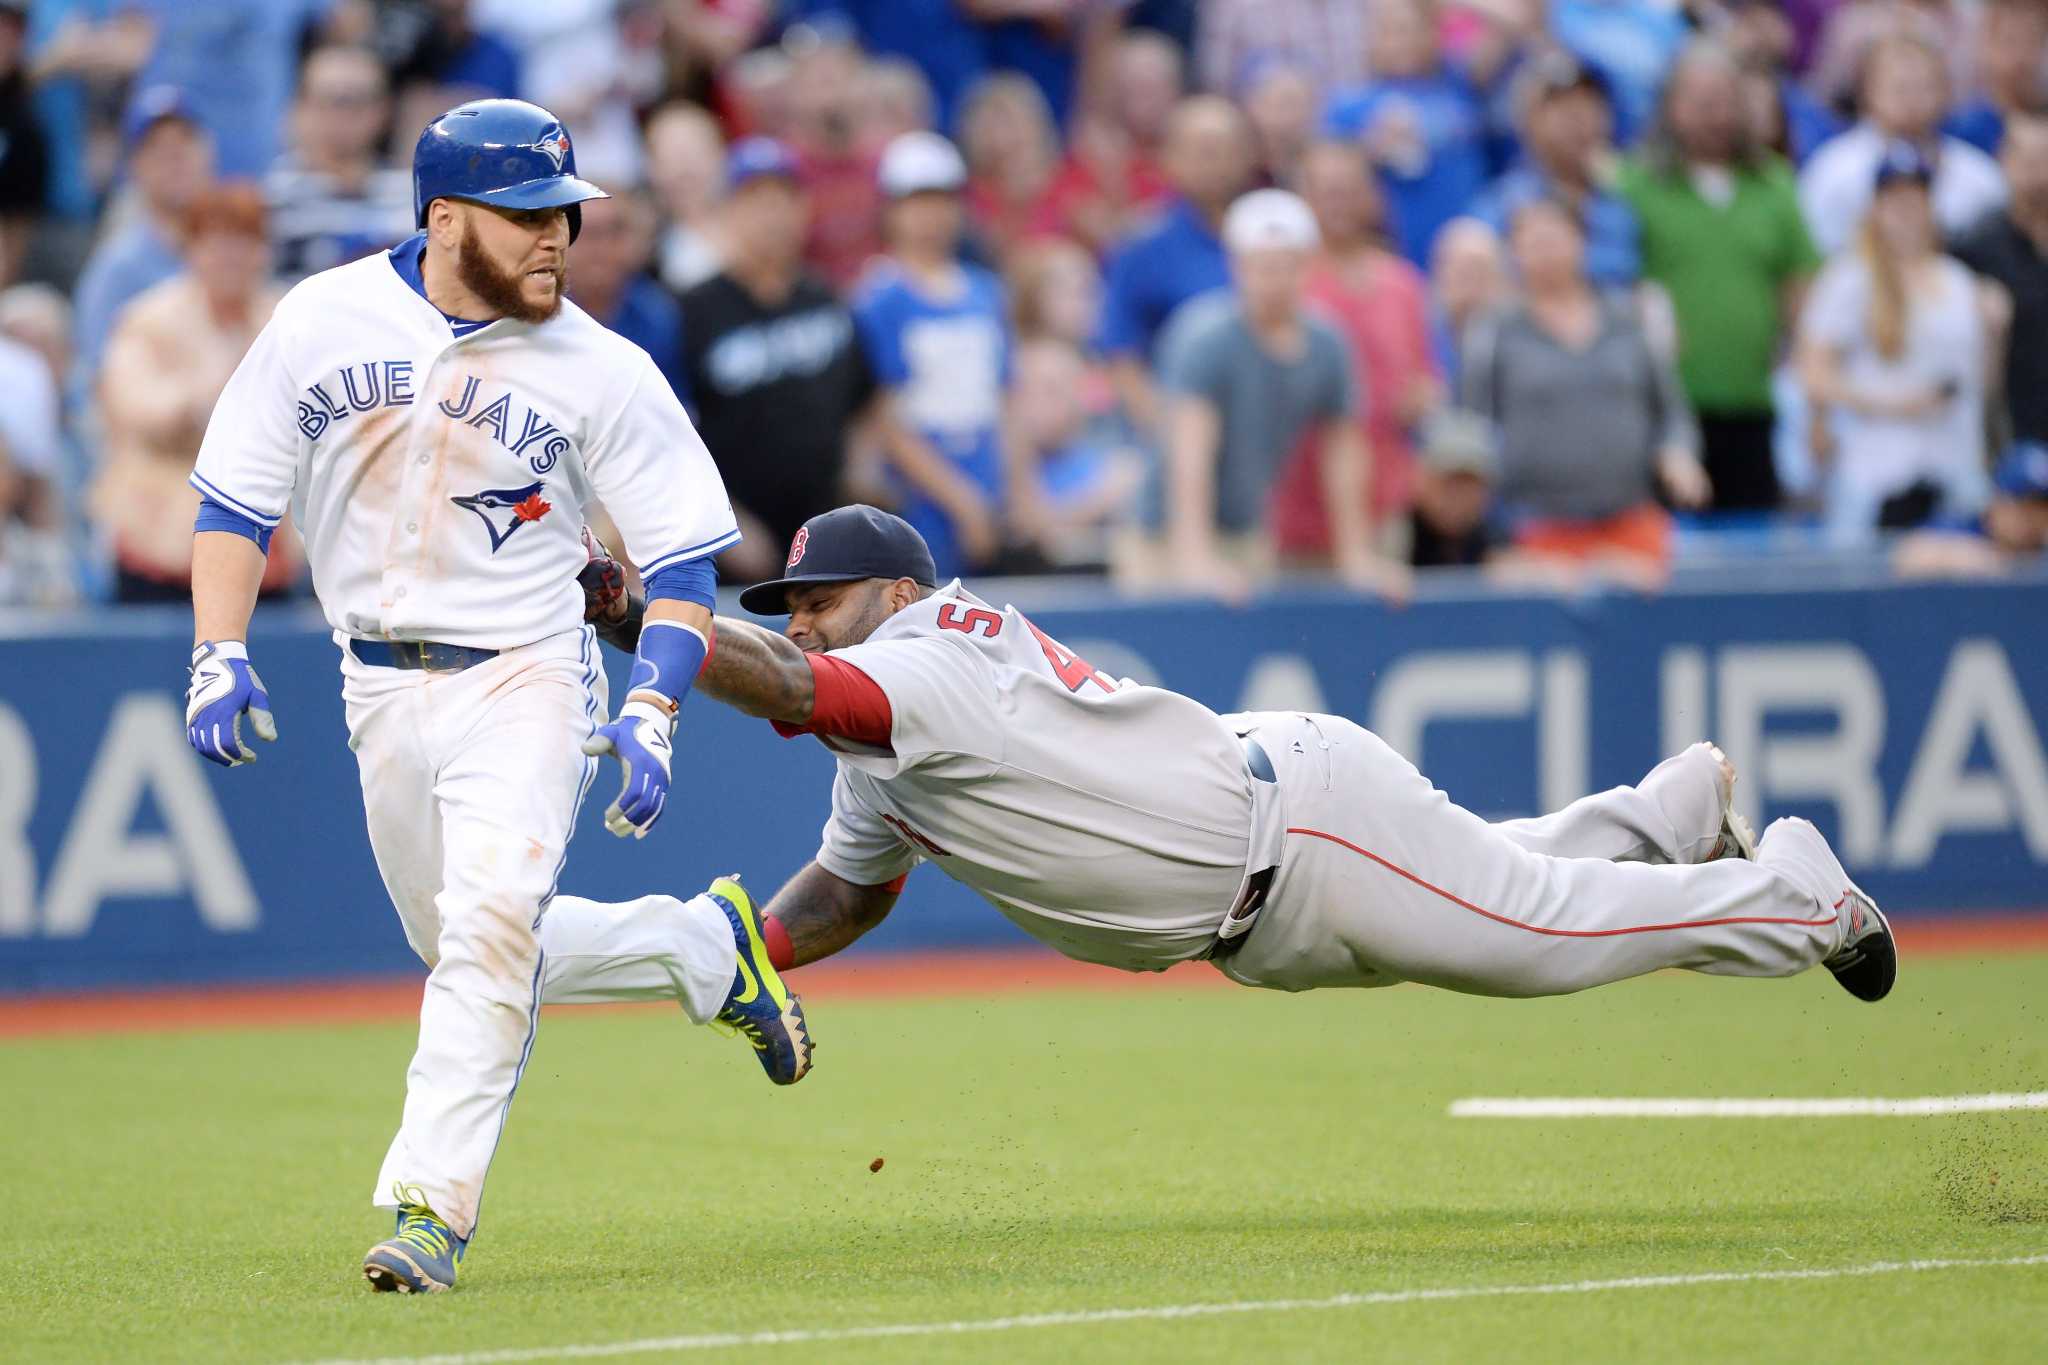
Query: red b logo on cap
796,547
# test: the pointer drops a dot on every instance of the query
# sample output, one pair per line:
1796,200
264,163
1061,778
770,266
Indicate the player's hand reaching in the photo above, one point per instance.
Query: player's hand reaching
223,689
641,738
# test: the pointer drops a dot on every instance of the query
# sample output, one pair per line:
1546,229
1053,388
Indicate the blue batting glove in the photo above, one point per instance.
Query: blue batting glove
641,739
224,688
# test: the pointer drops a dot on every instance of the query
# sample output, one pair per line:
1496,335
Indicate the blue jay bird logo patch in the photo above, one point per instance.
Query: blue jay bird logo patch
525,504
553,144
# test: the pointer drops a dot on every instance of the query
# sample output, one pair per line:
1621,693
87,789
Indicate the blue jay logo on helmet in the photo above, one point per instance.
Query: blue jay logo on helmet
553,144
525,504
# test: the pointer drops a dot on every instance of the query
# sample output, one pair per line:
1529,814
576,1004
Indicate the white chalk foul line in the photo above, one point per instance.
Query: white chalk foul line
1599,1108
1167,1313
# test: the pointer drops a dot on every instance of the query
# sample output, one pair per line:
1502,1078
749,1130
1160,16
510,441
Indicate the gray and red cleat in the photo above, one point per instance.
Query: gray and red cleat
1737,839
1867,963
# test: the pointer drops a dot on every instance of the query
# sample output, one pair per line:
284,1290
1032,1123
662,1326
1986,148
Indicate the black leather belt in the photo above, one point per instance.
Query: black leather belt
1236,927
418,654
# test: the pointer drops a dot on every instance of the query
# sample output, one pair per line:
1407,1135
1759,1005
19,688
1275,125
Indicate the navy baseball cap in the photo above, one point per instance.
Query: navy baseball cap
846,545
754,157
1904,161
151,107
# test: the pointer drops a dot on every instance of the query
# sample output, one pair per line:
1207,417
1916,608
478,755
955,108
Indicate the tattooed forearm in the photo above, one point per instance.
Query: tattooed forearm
823,913
751,669
759,672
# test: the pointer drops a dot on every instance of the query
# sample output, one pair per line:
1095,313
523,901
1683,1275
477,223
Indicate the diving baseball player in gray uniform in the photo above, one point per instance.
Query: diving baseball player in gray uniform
1133,827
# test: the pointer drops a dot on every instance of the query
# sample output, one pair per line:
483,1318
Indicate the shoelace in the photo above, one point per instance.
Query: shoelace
420,1227
736,1028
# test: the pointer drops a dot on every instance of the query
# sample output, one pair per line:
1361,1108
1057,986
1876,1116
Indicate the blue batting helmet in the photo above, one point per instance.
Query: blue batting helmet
506,153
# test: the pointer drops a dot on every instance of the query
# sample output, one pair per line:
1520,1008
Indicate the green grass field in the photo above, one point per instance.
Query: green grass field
202,1196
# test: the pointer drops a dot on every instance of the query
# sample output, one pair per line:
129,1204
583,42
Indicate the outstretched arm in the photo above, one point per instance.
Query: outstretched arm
823,913
758,672
751,669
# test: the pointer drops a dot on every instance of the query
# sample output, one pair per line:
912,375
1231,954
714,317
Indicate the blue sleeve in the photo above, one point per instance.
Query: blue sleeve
1122,330
694,580
1006,340
679,373
667,350
881,337
670,657
214,517
1624,240
1346,115
92,318
499,65
1492,207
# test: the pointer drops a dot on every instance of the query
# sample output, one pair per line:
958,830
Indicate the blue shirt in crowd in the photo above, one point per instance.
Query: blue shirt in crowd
60,105
137,258
1153,272
1613,249
1025,46
1977,122
1631,43
237,62
486,62
935,35
649,317
1449,167
946,359
1808,122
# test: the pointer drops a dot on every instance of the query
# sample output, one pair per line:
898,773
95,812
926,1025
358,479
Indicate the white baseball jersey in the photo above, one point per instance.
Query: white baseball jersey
439,481
1110,820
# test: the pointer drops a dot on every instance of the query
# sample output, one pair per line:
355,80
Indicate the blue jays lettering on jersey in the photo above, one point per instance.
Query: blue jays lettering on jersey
440,469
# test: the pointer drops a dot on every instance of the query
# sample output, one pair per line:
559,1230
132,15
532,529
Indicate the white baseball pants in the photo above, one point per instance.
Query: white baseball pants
471,785
1384,880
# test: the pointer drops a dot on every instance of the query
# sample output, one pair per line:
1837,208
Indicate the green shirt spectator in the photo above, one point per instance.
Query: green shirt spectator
1723,235
1725,268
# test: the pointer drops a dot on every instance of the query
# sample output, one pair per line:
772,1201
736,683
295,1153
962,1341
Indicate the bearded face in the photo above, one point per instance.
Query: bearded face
514,278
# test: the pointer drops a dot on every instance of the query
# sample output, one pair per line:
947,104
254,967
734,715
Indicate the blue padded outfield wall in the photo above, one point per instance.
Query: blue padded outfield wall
1908,721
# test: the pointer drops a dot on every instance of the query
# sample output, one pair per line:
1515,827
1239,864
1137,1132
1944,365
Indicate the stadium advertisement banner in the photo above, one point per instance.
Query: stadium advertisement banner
1907,721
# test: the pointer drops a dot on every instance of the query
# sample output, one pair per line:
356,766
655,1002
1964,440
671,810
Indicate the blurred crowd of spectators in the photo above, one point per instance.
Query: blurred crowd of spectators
1199,291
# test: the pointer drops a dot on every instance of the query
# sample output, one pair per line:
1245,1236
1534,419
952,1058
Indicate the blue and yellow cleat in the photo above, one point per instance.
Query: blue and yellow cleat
420,1258
759,1007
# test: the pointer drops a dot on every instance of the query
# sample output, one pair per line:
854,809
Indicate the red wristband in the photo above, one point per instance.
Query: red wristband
781,953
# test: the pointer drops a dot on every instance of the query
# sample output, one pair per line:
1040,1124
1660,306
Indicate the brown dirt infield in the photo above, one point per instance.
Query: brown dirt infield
881,976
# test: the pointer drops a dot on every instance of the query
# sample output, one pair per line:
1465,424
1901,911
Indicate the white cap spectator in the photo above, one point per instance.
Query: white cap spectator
920,162
1270,220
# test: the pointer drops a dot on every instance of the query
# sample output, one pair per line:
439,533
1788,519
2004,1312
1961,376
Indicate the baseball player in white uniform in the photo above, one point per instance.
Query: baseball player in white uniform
1133,827
437,419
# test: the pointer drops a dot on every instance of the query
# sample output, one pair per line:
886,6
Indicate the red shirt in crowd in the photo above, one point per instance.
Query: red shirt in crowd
1383,316
1097,205
846,214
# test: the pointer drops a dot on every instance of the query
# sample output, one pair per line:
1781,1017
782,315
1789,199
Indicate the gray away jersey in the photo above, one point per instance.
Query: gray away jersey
1111,821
